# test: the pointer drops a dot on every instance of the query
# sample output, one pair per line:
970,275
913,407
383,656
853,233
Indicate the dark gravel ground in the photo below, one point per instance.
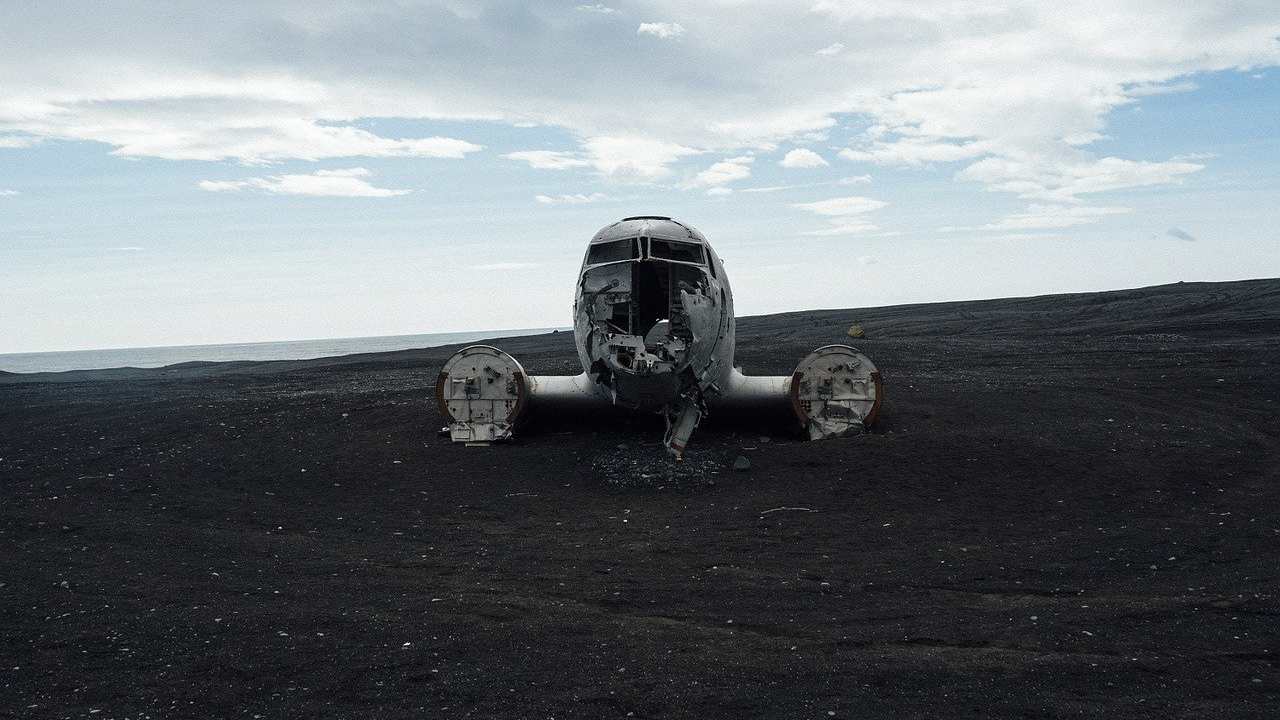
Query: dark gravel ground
1071,508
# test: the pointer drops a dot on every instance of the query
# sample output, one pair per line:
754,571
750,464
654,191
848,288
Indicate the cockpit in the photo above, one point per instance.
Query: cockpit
646,248
649,299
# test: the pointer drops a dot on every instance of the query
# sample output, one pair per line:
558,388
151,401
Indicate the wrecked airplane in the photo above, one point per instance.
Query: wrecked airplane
654,329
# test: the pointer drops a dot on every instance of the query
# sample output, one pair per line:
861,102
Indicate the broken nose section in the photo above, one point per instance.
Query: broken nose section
834,391
634,354
483,391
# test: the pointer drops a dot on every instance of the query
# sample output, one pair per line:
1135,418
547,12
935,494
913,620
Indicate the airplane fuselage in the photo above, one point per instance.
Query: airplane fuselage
654,329
653,313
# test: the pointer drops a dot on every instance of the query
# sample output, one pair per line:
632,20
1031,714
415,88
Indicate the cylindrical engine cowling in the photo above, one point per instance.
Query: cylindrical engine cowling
835,390
483,392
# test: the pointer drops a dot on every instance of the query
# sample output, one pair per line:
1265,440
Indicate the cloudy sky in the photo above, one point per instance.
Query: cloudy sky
195,172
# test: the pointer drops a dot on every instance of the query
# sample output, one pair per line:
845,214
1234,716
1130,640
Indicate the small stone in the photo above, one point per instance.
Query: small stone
623,446
741,463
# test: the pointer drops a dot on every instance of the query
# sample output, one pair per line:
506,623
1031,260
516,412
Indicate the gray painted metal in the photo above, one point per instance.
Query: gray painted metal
483,392
656,333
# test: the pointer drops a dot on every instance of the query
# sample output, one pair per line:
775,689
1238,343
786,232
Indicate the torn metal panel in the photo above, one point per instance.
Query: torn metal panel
654,330
835,391
484,392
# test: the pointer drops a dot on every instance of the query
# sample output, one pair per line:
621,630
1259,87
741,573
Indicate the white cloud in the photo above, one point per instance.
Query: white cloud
664,30
961,81
287,139
720,191
633,158
9,193
861,12
549,159
624,158
1194,156
1083,138
854,180
491,267
802,158
1159,88
845,226
832,49
596,8
1061,181
127,248
770,188
845,215
347,182
722,173
915,151
17,141
228,127
765,128
574,199
852,205
1023,236
1039,217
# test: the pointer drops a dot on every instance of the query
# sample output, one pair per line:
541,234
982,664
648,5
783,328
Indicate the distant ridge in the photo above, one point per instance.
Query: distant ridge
1175,311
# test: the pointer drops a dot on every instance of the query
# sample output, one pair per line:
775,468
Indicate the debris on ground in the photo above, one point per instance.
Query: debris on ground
652,467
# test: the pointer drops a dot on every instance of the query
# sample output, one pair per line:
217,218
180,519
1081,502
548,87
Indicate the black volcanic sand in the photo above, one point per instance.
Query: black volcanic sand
1071,508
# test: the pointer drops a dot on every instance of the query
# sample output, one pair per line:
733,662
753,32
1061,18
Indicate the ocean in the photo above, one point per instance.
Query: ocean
151,357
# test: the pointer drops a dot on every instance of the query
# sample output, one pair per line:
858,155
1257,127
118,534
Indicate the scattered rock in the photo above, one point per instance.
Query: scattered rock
856,331
741,463
632,466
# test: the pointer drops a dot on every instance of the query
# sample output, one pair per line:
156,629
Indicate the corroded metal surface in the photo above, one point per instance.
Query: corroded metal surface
654,330
835,391
483,391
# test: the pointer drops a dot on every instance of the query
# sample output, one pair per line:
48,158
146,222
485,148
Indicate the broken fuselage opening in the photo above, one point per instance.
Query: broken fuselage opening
650,309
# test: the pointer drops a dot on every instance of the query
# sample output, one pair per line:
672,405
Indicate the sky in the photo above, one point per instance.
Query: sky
197,172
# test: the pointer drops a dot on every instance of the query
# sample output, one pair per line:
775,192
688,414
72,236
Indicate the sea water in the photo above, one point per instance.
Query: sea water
150,357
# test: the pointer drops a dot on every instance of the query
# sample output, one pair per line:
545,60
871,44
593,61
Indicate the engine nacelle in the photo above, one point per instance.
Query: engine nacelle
484,392
835,390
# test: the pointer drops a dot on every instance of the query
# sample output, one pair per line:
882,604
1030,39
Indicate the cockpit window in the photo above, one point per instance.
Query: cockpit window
615,251
678,251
